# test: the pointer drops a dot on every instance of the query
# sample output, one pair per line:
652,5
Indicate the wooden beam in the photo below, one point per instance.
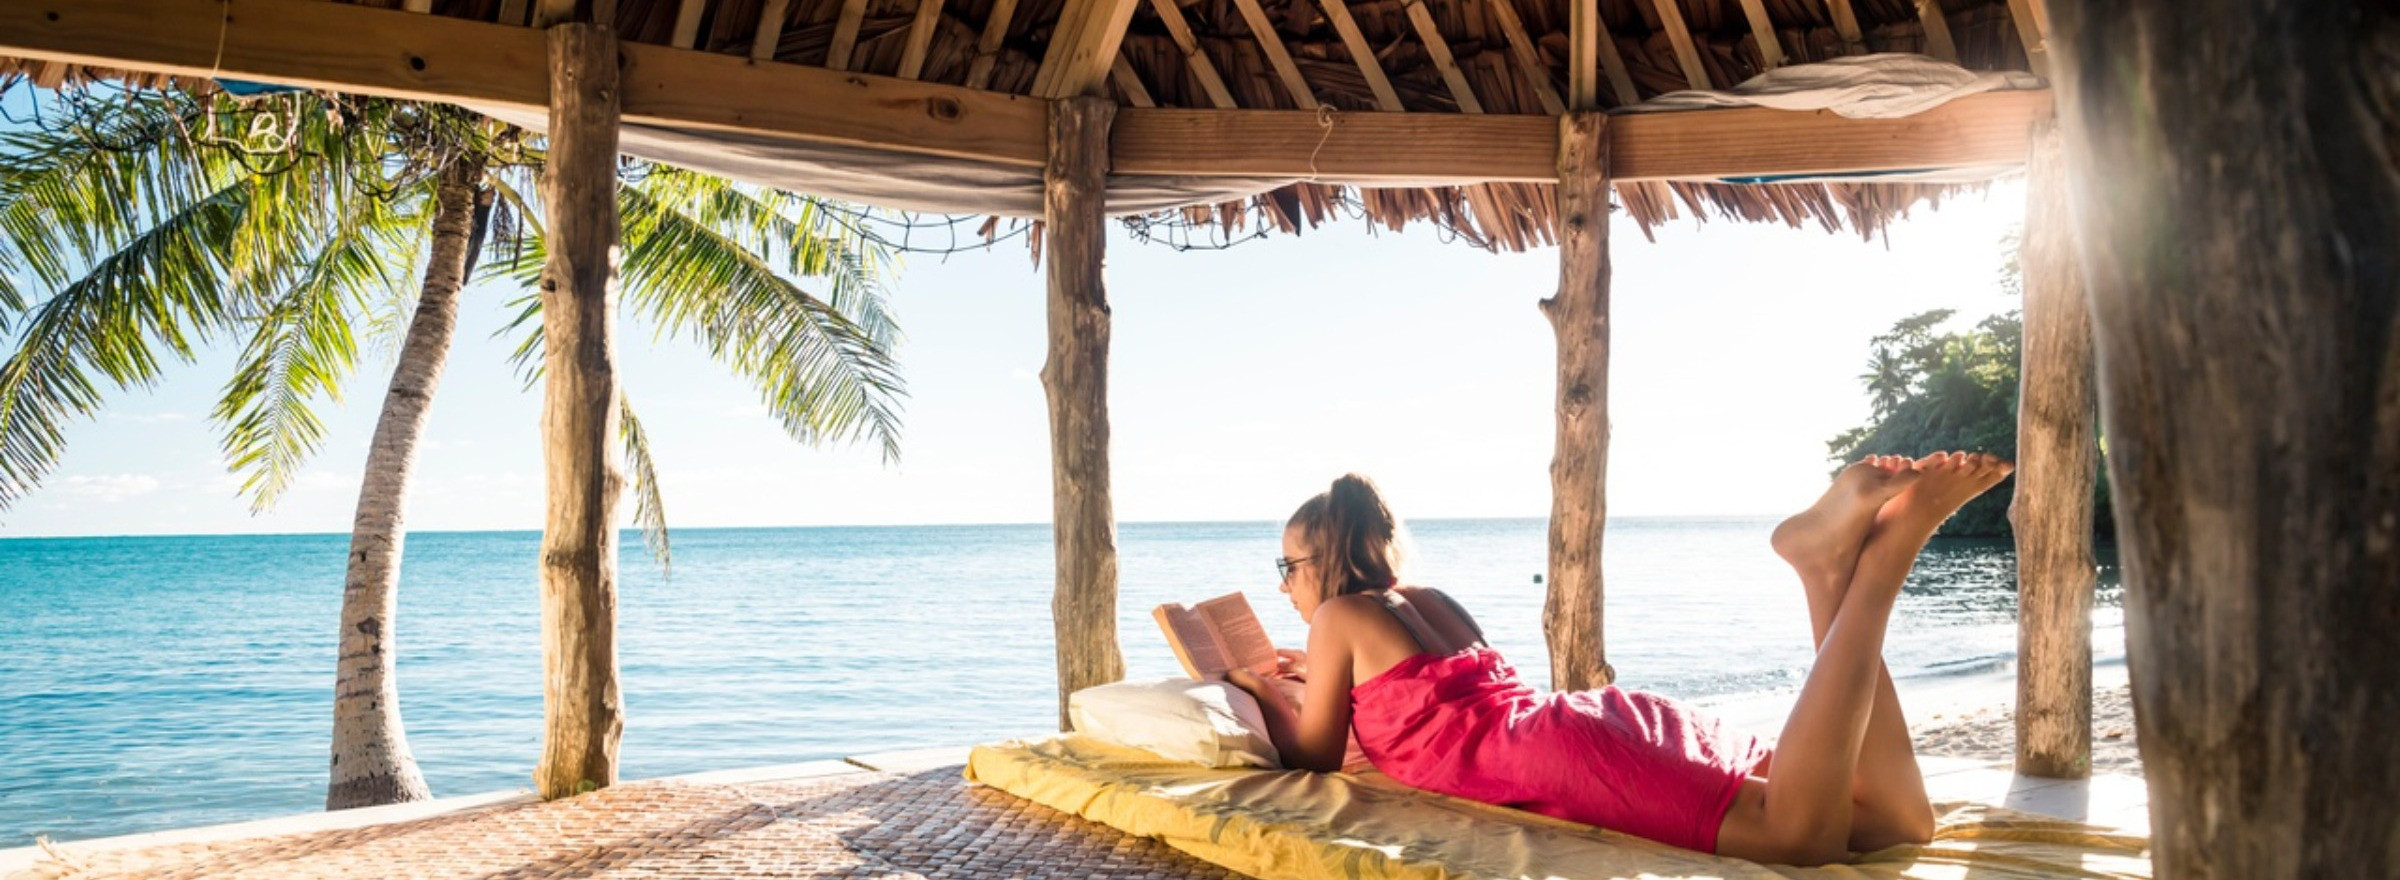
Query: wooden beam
2033,29
1528,56
1130,83
513,12
1362,54
1670,17
1075,381
1430,33
1762,29
2058,457
1986,129
583,713
770,29
1845,23
1082,47
1583,54
436,58
920,37
1269,42
1578,313
418,6
987,46
1203,70
845,34
1937,31
687,23
2236,244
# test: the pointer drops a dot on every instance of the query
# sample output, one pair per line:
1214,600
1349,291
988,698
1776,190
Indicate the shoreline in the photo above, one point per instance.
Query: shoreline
1971,716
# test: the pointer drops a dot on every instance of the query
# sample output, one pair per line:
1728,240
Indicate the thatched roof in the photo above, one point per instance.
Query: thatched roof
1235,67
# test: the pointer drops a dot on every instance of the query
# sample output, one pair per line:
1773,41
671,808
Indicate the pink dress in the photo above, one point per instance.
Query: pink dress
1462,724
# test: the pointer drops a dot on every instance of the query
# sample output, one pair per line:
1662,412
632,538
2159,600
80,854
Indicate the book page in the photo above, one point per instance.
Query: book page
1194,642
1245,640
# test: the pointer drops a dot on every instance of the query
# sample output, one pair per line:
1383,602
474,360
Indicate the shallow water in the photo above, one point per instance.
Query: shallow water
150,683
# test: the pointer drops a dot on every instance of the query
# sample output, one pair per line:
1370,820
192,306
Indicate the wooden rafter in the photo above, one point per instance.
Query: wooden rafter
1670,19
2033,27
1592,51
845,34
687,23
920,37
1082,47
1277,57
313,44
512,12
1130,83
418,6
987,46
770,30
1937,31
1203,70
1762,29
1362,54
1528,56
1431,35
1845,23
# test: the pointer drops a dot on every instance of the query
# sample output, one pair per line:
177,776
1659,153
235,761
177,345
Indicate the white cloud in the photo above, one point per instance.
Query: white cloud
109,487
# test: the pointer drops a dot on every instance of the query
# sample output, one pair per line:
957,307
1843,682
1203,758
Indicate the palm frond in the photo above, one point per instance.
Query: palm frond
649,506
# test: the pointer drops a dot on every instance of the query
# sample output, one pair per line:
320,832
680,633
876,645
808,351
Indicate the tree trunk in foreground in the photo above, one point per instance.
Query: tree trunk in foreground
582,708
2058,458
1579,468
2239,204
1083,518
371,762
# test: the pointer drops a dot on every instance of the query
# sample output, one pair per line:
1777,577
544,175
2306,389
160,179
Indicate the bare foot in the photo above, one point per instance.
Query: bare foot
1824,539
1947,481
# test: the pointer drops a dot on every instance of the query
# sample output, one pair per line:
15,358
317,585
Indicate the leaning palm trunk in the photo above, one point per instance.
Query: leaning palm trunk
371,761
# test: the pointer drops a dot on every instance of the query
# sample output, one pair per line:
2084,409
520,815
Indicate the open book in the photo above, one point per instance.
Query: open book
1217,635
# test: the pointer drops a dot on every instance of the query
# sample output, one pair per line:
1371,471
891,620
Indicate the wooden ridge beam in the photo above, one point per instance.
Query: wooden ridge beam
1203,70
1430,33
1679,35
1082,47
920,38
1979,130
434,58
1528,56
987,46
1363,54
1280,58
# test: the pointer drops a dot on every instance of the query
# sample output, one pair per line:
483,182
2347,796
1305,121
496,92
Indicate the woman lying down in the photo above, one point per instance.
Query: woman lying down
1434,707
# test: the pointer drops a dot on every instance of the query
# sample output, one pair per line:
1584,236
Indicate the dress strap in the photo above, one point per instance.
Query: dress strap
1391,603
1461,612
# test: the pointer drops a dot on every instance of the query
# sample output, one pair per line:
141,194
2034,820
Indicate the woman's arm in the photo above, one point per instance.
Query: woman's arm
1314,735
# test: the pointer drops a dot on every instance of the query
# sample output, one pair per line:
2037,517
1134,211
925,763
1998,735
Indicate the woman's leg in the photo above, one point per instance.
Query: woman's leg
1891,804
1803,813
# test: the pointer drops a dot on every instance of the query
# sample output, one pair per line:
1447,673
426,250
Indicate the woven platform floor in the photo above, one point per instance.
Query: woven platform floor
930,825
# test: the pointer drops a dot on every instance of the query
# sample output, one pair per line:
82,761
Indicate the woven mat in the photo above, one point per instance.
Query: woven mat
930,825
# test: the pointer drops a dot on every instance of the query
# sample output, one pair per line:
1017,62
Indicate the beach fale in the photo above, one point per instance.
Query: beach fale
2234,228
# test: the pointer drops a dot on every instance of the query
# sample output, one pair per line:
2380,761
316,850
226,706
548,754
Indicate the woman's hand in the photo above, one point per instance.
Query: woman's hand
1249,681
1291,663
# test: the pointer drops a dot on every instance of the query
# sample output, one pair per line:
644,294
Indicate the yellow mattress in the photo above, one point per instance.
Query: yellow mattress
1311,826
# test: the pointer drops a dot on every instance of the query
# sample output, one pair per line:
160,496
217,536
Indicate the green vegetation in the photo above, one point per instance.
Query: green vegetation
1934,390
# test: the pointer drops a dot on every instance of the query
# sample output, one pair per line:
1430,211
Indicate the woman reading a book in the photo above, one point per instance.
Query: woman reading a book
1436,708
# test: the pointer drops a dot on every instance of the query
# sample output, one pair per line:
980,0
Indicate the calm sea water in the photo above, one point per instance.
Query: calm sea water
150,683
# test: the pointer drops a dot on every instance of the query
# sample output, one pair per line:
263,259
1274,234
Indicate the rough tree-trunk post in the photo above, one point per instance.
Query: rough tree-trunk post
2238,201
1579,468
1084,610
584,712
2058,457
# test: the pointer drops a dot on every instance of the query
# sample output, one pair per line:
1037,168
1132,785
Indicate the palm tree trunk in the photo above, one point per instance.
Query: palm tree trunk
371,761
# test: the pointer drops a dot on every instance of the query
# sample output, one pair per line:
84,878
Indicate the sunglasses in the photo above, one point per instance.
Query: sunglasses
1285,564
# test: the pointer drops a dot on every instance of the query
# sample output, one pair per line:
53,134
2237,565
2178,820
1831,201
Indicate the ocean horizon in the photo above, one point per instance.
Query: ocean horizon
151,682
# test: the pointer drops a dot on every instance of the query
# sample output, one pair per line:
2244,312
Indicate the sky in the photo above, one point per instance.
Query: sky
1241,381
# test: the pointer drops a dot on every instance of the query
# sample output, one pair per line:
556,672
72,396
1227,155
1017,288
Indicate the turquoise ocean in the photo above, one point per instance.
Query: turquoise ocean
160,682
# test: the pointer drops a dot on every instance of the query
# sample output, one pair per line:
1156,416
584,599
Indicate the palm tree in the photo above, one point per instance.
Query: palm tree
151,223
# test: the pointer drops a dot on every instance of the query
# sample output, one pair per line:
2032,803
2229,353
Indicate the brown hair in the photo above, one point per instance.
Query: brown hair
1353,540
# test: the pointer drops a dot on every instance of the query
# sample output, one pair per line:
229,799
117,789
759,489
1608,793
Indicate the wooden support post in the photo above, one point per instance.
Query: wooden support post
2237,198
1579,469
1083,518
2057,463
583,713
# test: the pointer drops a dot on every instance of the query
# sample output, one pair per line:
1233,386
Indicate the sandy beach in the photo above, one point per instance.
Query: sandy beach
1989,733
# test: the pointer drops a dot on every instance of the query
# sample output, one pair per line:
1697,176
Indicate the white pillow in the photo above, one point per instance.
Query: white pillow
1210,723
